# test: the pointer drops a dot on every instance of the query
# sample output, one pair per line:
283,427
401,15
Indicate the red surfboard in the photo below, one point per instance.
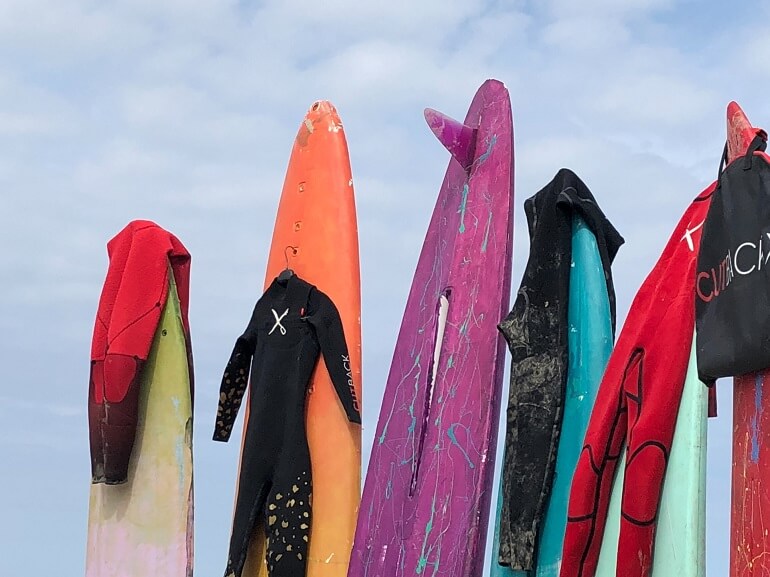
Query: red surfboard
750,518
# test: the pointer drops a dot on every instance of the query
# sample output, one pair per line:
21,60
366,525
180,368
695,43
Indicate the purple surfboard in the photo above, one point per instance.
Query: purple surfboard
426,497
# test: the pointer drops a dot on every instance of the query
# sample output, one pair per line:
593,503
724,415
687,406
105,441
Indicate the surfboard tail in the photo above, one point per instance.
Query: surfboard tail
740,132
751,425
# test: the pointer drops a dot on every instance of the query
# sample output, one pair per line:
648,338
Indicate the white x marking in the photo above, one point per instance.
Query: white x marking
278,320
688,236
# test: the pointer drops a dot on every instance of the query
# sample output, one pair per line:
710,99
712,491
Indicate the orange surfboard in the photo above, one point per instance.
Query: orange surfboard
316,234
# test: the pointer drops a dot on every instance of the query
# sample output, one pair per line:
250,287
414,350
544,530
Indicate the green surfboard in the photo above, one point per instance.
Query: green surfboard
680,539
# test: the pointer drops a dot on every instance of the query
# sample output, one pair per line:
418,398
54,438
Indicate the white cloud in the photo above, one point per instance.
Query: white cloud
586,34
625,10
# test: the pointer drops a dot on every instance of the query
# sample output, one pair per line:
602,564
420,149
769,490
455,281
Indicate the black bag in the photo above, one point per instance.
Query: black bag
732,302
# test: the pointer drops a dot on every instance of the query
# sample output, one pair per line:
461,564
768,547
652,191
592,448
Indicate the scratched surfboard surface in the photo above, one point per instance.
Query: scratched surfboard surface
750,516
426,497
144,527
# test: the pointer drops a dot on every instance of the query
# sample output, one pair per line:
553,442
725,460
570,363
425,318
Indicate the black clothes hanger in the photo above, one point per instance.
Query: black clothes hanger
287,273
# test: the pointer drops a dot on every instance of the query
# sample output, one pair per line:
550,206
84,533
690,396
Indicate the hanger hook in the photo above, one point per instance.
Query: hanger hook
286,256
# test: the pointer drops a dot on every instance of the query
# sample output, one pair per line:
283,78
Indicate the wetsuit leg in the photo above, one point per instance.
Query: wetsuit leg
289,515
249,512
254,487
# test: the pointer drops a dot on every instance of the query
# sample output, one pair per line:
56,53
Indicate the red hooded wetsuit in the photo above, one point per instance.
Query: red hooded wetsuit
637,405
132,300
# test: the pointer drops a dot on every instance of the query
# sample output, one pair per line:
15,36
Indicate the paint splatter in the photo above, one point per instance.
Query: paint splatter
464,326
486,233
452,437
755,419
416,364
463,206
483,157
423,560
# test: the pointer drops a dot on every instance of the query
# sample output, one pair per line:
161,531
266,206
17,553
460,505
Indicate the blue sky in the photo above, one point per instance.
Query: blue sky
184,112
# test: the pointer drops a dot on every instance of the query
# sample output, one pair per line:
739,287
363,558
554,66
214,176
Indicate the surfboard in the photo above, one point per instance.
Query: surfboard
680,538
590,344
316,234
749,539
144,527
425,504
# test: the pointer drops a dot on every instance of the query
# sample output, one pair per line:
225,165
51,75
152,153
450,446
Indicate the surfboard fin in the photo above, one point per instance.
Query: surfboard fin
457,138
740,132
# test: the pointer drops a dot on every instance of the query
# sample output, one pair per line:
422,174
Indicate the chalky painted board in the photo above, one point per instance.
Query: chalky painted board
426,498
750,518
316,233
680,539
590,344
144,527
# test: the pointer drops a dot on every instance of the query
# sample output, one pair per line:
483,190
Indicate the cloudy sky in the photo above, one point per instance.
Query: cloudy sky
184,112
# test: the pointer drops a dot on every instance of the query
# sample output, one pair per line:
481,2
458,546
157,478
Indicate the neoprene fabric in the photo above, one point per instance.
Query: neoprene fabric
292,323
536,332
130,307
637,405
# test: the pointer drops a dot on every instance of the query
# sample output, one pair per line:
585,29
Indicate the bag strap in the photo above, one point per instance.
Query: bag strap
758,144
722,162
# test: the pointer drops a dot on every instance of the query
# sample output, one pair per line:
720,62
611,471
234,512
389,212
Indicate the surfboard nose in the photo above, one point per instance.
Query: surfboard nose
321,108
321,118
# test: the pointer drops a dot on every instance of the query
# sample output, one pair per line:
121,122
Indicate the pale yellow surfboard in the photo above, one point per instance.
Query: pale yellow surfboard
144,527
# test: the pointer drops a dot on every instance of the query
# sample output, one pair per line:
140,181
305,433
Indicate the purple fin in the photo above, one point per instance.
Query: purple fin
457,138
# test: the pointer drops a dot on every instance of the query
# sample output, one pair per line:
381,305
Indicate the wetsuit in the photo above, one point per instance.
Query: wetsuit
292,323
142,256
637,405
536,333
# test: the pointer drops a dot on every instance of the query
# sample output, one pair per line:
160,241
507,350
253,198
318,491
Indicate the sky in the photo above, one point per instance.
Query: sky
184,112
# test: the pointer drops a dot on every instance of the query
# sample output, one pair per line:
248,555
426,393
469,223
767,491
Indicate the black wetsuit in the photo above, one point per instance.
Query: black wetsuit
292,323
536,330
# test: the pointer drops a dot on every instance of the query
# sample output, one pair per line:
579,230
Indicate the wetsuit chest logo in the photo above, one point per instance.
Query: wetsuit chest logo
688,235
278,320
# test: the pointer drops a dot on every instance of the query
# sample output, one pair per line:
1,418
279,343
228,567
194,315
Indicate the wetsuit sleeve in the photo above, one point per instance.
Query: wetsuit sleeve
325,318
234,382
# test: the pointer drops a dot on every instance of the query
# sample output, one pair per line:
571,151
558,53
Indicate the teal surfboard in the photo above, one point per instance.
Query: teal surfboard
590,344
680,539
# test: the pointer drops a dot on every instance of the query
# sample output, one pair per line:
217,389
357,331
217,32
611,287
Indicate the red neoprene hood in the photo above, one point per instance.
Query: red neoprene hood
132,300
